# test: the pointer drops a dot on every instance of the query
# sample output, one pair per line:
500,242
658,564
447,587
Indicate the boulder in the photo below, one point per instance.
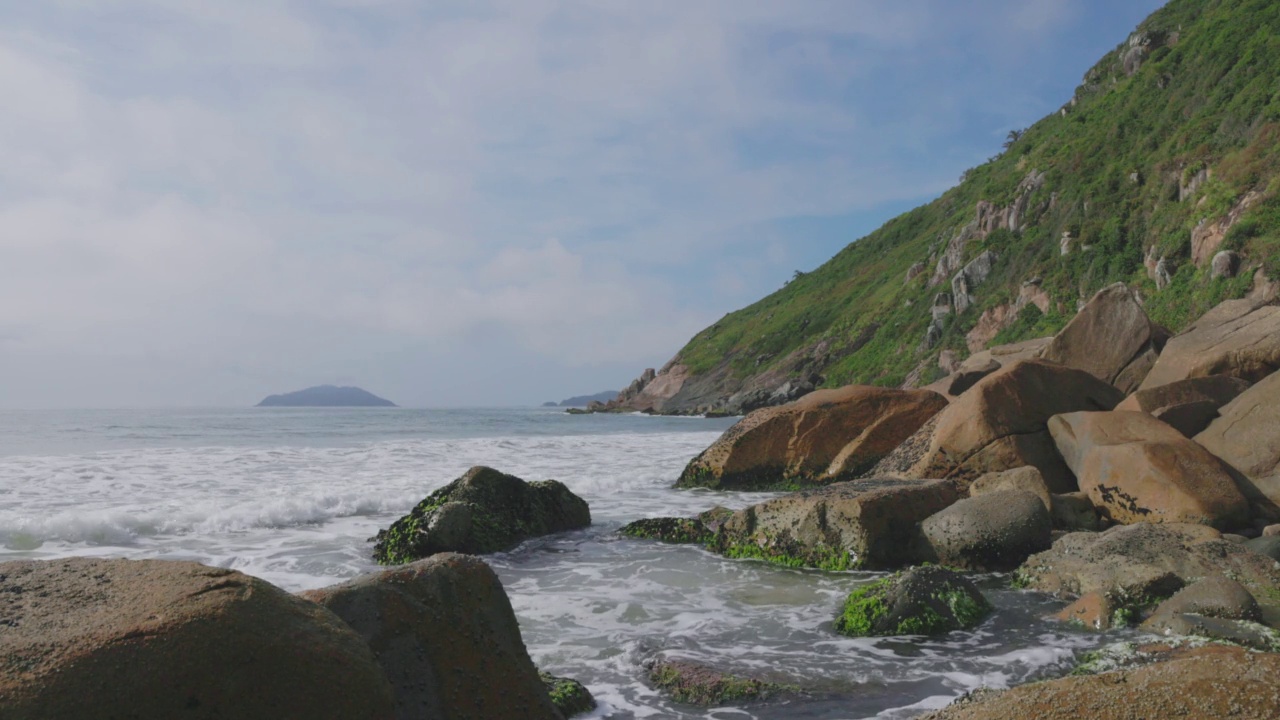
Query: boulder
90,637
1000,424
696,684
1247,437
1137,469
995,531
1106,336
1141,563
1226,264
1187,405
919,601
1073,512
568,695
1269,546
483,511
962,381
673,530
1240,338
975,366
1215,596
443,631
1207,682
1023,478
1094,610
871,524
825,436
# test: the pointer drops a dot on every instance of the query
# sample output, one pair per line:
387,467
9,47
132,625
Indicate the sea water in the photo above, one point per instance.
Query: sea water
293,496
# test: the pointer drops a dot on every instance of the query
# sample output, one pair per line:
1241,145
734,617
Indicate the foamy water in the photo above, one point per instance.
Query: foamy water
293,497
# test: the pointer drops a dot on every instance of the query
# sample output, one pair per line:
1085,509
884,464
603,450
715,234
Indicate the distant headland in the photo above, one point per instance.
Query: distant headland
584,400
327,396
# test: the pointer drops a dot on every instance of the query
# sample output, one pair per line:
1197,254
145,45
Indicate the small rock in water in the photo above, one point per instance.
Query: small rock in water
569,696
920,601
694,684
483,511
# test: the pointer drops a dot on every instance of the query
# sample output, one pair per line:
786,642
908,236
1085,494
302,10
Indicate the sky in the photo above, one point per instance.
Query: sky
467,203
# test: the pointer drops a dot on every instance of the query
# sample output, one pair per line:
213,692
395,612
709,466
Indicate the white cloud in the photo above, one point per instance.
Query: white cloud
249,184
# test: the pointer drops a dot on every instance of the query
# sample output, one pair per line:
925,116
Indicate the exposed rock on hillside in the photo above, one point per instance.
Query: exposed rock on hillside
1000,424
86,637
1137,469
443,631
825,436
483,511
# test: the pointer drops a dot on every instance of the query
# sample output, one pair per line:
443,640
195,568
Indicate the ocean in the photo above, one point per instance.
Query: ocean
293,496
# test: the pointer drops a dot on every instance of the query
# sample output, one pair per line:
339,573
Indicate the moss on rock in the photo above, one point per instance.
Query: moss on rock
694,684
569,696
669,530
483,511
919,601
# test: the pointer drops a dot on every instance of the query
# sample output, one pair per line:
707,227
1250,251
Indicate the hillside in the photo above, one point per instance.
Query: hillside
1166,156
327,396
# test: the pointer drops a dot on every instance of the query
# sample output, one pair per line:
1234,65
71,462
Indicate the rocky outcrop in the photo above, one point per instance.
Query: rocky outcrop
826,436
993,531
1240,338
1217,608
1138,565
871,524
695,684
1207,237
483,511
1137,469
88,637
1000,424
1207,682
1247,437
1187,405
1107,336
967,280
443,631
1226,264
919,601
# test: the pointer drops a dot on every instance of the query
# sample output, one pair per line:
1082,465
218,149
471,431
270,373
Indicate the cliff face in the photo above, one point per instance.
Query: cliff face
1161,172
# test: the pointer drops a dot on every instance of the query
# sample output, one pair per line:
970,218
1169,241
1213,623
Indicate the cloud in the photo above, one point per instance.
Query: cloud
251,186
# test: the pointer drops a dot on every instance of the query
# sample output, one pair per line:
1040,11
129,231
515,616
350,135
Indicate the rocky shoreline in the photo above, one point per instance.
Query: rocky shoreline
1154,510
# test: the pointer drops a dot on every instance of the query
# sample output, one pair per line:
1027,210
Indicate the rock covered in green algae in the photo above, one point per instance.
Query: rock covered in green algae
483,511
693,684
569,696
919,601
698,530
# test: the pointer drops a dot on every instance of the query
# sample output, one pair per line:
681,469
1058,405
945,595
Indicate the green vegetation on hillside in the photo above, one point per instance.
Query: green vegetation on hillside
1116,161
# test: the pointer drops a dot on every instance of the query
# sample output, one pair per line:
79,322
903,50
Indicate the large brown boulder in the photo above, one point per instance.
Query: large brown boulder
871,524
1137,469
94,638
1107,336
443,631
1000,424
1145,562
825,436
1247,436
1240,338
483,511
1187,405
1208,682
994,531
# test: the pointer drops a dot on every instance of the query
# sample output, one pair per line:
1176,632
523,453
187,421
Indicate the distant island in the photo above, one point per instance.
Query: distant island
584,400
327,396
